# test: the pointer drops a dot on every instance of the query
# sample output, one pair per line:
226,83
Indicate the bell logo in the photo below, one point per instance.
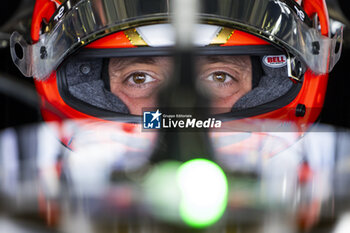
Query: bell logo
275,61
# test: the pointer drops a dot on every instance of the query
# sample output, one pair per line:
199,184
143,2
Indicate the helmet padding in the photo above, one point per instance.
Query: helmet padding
83,77
273,84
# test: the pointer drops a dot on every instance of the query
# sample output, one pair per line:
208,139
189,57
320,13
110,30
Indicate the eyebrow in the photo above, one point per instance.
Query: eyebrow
235,60
123,62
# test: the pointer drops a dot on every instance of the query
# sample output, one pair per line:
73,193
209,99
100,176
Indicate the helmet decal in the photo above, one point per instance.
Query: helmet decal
134,37
275,61
223,36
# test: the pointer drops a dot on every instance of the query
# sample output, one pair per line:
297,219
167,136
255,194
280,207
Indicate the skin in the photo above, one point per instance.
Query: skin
136,81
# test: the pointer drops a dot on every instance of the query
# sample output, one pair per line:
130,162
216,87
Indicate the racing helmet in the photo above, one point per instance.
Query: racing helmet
75,45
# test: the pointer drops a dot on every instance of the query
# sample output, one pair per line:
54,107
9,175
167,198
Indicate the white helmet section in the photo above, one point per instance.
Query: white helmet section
163,35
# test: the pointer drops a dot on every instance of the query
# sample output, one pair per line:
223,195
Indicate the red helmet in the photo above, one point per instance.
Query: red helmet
287,42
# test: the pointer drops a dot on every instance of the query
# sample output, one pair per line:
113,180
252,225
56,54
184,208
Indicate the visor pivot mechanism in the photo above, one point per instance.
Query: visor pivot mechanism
316,47
300,110
295,69
43,52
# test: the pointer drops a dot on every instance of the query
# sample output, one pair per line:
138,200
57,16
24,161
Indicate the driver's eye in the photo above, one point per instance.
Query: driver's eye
139,78
219,76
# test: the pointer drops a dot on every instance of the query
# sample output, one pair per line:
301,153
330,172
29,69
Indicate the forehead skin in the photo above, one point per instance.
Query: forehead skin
117,64
240,62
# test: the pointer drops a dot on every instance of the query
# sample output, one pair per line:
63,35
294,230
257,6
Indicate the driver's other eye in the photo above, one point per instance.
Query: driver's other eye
220,77
139,78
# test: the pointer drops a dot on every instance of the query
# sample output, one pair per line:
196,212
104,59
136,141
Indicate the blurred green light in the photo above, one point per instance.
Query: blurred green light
162,192
204,192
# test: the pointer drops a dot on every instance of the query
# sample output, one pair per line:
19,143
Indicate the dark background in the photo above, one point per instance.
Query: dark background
19,106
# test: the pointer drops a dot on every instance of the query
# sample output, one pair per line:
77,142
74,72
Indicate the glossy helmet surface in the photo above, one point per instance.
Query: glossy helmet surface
304,54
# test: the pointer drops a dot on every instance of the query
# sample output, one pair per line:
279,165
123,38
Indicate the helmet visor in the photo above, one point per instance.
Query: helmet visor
77,23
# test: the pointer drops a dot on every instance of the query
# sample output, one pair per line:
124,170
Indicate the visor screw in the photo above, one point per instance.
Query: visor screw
315,47
85,69
43,52
298,70
300,110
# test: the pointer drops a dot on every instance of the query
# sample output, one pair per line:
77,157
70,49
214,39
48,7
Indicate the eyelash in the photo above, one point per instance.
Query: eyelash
131,82
225,83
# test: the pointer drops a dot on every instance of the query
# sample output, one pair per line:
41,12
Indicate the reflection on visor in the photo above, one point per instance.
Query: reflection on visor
87,21
126,85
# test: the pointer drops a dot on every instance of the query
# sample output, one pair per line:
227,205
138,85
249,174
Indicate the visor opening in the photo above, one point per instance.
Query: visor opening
19,51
